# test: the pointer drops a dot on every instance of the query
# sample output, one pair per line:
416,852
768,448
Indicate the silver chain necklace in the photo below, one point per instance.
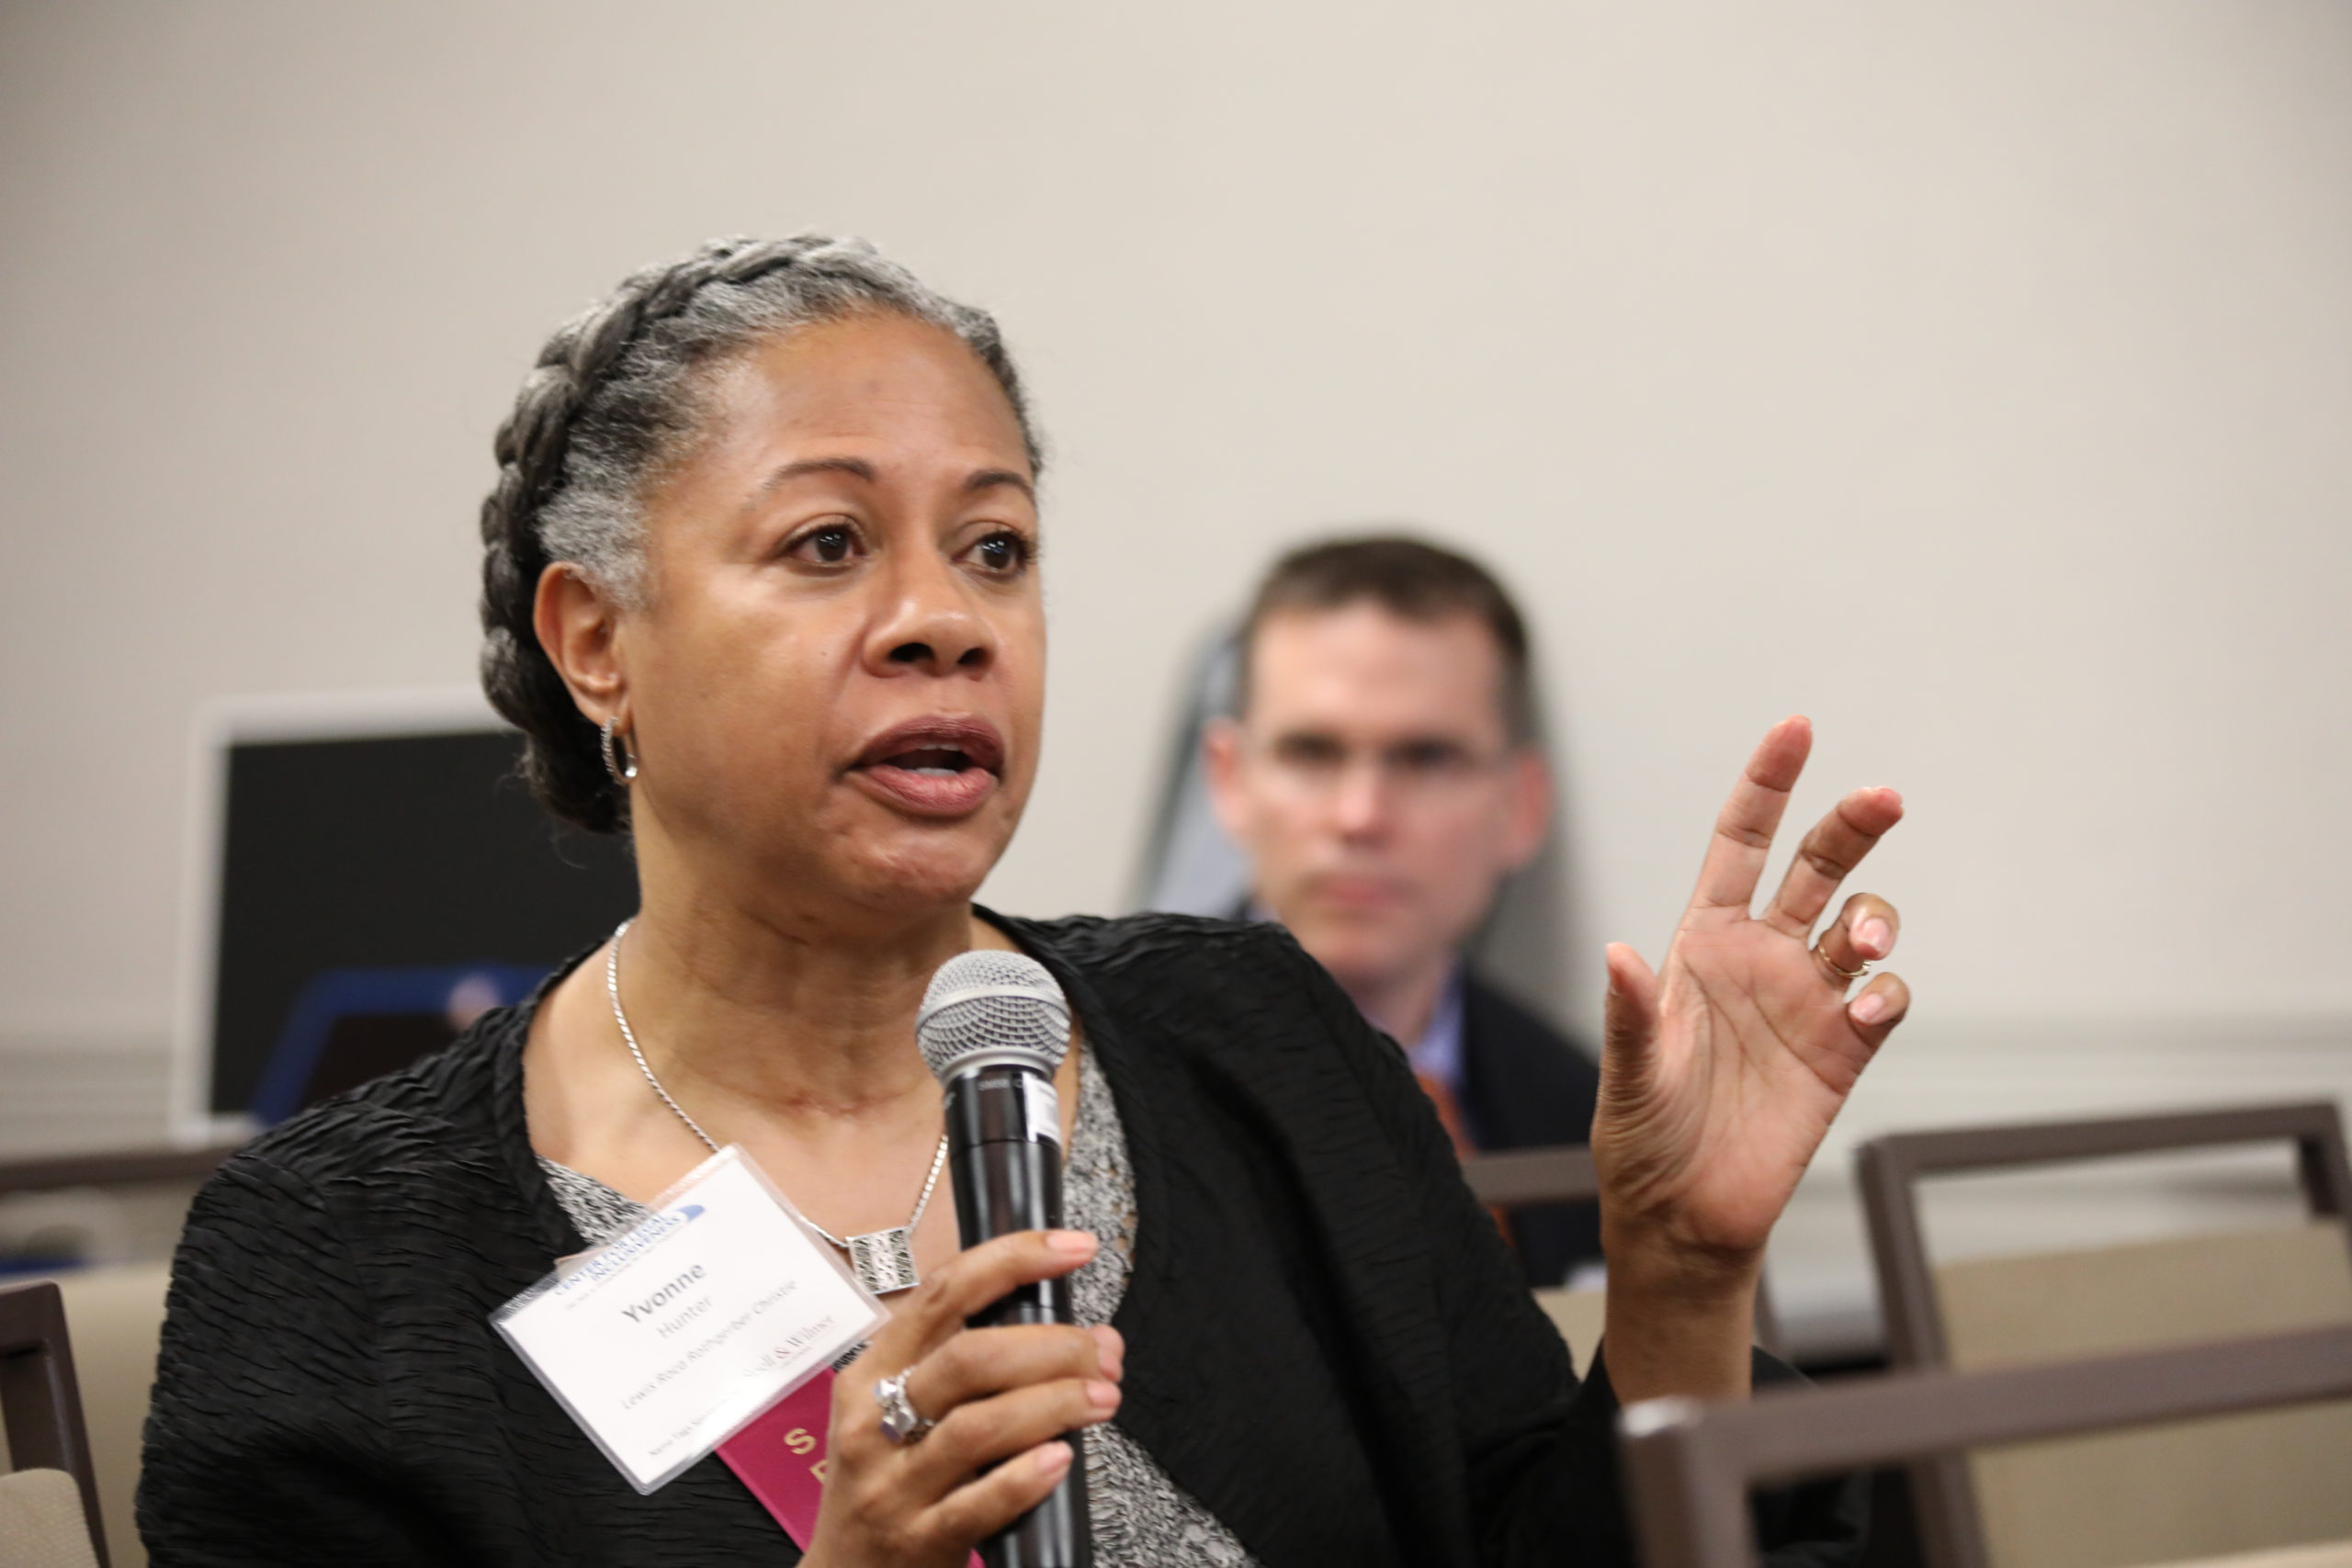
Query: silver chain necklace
884,1259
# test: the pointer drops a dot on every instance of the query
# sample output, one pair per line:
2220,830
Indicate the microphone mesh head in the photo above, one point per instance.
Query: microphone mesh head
985,1000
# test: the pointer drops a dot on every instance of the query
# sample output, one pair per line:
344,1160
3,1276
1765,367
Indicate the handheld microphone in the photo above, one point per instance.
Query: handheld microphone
993,1027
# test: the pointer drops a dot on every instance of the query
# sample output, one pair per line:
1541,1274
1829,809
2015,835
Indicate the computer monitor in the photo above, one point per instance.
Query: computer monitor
370,874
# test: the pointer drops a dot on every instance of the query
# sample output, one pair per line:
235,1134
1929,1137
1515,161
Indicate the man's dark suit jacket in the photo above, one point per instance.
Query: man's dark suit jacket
1524,1085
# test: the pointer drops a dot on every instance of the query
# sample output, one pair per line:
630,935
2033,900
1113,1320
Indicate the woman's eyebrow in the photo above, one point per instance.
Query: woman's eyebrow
859,469
989,479
856,468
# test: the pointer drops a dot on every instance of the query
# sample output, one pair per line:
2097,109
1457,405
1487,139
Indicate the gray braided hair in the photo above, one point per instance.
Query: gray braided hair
614,398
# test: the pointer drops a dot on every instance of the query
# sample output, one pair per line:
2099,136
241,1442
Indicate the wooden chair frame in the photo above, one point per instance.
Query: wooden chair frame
1512,1179
39,1397
124,1167
1892,1166
1689,1466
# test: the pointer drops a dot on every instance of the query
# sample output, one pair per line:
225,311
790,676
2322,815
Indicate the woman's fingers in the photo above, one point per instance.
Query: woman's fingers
986,1505
996,1396
966,1283
984,1362
1864,933
1878,1006
925,1338
1829,855
1629,1015
986,1431
1750,817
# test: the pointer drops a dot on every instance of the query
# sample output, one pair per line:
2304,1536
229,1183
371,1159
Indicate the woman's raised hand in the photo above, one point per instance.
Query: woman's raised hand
1723,1069
1001,1399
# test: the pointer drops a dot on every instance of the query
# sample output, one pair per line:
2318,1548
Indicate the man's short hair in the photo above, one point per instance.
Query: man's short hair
1412,580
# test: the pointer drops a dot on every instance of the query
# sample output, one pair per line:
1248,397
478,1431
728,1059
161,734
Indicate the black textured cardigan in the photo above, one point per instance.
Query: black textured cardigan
1328,1344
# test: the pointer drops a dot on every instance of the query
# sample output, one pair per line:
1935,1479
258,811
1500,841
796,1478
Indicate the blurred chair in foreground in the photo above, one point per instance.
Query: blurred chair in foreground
112,1280
1689,1466
2256,1482
49,1498
118,1318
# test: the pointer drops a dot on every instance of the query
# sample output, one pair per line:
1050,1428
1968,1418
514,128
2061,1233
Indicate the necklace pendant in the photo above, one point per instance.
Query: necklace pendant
884,1260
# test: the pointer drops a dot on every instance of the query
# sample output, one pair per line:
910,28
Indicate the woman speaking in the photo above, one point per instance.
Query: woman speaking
761,589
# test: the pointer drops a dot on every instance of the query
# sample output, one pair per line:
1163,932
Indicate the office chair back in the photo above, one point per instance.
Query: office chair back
1690,1466
2247,1483
40,1410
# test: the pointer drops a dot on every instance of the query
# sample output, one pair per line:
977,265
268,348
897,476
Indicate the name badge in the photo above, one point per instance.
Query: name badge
667,1341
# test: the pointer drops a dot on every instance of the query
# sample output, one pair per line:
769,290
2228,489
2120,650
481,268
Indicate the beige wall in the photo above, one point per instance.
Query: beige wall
1975,376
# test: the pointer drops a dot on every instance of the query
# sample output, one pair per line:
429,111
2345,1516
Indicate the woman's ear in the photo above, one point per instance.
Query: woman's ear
577,623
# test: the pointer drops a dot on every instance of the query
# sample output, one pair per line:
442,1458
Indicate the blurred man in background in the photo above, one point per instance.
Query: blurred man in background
1381,773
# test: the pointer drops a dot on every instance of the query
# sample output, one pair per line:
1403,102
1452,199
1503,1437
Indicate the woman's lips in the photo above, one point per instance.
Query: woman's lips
932,767
927,792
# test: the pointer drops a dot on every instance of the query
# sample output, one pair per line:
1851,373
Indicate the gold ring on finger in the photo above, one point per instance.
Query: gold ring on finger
1847,976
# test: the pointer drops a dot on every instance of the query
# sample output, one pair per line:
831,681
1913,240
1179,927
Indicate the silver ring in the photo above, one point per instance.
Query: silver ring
901,1423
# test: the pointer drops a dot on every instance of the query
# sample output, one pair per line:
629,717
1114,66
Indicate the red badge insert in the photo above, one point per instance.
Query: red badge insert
781,1457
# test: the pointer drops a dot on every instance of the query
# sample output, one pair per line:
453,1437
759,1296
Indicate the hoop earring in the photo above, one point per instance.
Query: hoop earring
613,750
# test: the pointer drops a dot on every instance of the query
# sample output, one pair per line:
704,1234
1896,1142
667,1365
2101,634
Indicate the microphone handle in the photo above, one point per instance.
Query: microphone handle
1008,1178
